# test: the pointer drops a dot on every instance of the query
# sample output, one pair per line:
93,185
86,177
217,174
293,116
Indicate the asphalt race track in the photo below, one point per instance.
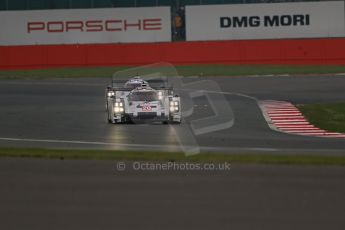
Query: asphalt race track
71,194
70,113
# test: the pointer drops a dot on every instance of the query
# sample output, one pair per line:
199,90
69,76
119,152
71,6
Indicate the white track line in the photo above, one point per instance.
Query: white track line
115,146
292,123
287,128
285,117
78,142
282,113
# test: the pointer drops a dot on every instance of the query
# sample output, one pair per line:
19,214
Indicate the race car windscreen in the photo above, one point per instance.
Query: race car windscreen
143,96
132,85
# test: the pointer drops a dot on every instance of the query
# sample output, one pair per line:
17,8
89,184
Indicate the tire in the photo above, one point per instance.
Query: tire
108,117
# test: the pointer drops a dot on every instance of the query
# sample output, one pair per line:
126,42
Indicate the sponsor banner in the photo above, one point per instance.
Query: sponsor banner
85,26
265,21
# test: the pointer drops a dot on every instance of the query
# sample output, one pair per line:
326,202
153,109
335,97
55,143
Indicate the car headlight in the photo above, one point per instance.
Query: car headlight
111,93
174,106
118,107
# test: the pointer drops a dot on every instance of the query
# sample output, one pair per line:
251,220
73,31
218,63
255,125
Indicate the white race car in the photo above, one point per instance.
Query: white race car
136,101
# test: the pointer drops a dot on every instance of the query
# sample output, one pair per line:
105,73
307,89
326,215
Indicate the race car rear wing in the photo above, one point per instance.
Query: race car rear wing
157,84
120,89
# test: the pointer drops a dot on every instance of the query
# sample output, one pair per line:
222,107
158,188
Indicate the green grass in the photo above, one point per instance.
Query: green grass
161,156
61,72
190,70
330,117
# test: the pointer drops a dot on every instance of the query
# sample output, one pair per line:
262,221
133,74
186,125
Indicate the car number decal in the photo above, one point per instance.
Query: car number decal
146,108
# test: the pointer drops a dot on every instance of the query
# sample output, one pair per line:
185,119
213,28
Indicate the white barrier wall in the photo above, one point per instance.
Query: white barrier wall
115,25
265,21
